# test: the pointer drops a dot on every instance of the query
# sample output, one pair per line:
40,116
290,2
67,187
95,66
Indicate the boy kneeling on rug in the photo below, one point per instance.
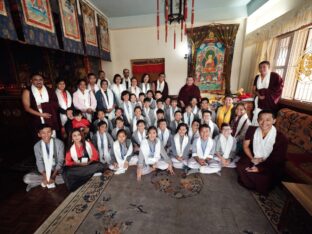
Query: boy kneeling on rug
81,161
49,154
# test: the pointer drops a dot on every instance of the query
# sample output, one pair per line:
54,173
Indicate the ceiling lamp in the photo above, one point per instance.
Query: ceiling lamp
176,13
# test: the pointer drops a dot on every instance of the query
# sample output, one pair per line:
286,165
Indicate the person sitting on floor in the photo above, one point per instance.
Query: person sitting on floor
226,146
177,120
164,133
203,150
261,166
240,124
138,135
120,124
180,147
206,119
152,155
122,153
103,142
49,154
81,161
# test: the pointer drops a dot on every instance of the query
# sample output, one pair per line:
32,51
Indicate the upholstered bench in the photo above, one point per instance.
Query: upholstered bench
297,127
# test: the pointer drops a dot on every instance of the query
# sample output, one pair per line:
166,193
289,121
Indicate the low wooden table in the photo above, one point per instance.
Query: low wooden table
296,193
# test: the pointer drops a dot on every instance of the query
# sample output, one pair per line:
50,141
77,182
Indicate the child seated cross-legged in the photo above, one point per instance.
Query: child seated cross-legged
81,161
138,135
49,154
152,155
103,142
122,153
203,151
226,146
180,147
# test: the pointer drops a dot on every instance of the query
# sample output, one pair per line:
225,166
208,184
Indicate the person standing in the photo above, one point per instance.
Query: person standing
161,85
187,92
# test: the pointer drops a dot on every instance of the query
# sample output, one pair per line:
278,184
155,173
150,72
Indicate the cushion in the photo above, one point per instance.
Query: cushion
297,127
299,166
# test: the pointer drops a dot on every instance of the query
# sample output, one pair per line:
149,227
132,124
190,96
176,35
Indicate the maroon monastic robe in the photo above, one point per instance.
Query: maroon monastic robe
272,94
50,107
187,93
270,171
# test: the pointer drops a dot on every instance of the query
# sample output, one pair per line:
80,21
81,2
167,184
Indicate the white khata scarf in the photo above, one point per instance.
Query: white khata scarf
117,152
129,113
41,96
263,147
96,88
149,156
188,120
180,148
146,87
109,102
195,110
134,122
166,135
141,136
74,155
48,159
200,153
226,145
160,86
63,104
240,124
104,153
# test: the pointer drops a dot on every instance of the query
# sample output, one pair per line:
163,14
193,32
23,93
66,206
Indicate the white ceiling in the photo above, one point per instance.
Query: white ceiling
122,8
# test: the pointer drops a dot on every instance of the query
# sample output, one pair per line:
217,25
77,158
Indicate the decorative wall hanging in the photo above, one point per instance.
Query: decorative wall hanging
37,21
211,56
70,26
104,38
7,29
150,66
90,35
176,14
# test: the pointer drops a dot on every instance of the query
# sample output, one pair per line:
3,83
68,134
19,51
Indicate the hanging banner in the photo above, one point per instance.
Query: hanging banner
70,26
89,27
104,38
7,29
37,21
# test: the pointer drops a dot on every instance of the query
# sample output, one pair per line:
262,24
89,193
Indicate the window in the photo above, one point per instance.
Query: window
303,90
282,54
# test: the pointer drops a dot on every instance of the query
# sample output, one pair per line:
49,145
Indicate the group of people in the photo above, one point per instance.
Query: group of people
115,125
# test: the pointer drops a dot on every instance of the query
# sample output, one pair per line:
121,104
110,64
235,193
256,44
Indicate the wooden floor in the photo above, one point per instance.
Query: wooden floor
21,211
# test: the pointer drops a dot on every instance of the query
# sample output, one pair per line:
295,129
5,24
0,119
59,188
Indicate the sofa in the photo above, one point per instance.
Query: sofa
297,127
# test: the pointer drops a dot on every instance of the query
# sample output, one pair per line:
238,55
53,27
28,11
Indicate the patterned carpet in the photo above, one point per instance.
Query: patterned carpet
160,203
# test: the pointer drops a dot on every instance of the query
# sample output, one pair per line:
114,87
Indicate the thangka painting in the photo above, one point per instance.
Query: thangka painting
209,65
69,19
2,8
37,13
104,36
89,25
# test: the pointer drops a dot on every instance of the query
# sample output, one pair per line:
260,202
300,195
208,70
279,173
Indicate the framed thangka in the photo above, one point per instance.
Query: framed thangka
38,14
37,23
209,61
2,8
70,26
89,27
104,38
7,29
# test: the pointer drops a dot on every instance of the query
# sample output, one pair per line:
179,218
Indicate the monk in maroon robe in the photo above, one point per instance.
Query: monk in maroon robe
268,96
256,170
42,105
187,92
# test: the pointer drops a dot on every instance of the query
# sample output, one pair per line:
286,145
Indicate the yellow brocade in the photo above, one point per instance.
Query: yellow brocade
224,115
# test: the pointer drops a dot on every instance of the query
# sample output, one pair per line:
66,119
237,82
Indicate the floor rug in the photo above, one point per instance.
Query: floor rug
161,204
